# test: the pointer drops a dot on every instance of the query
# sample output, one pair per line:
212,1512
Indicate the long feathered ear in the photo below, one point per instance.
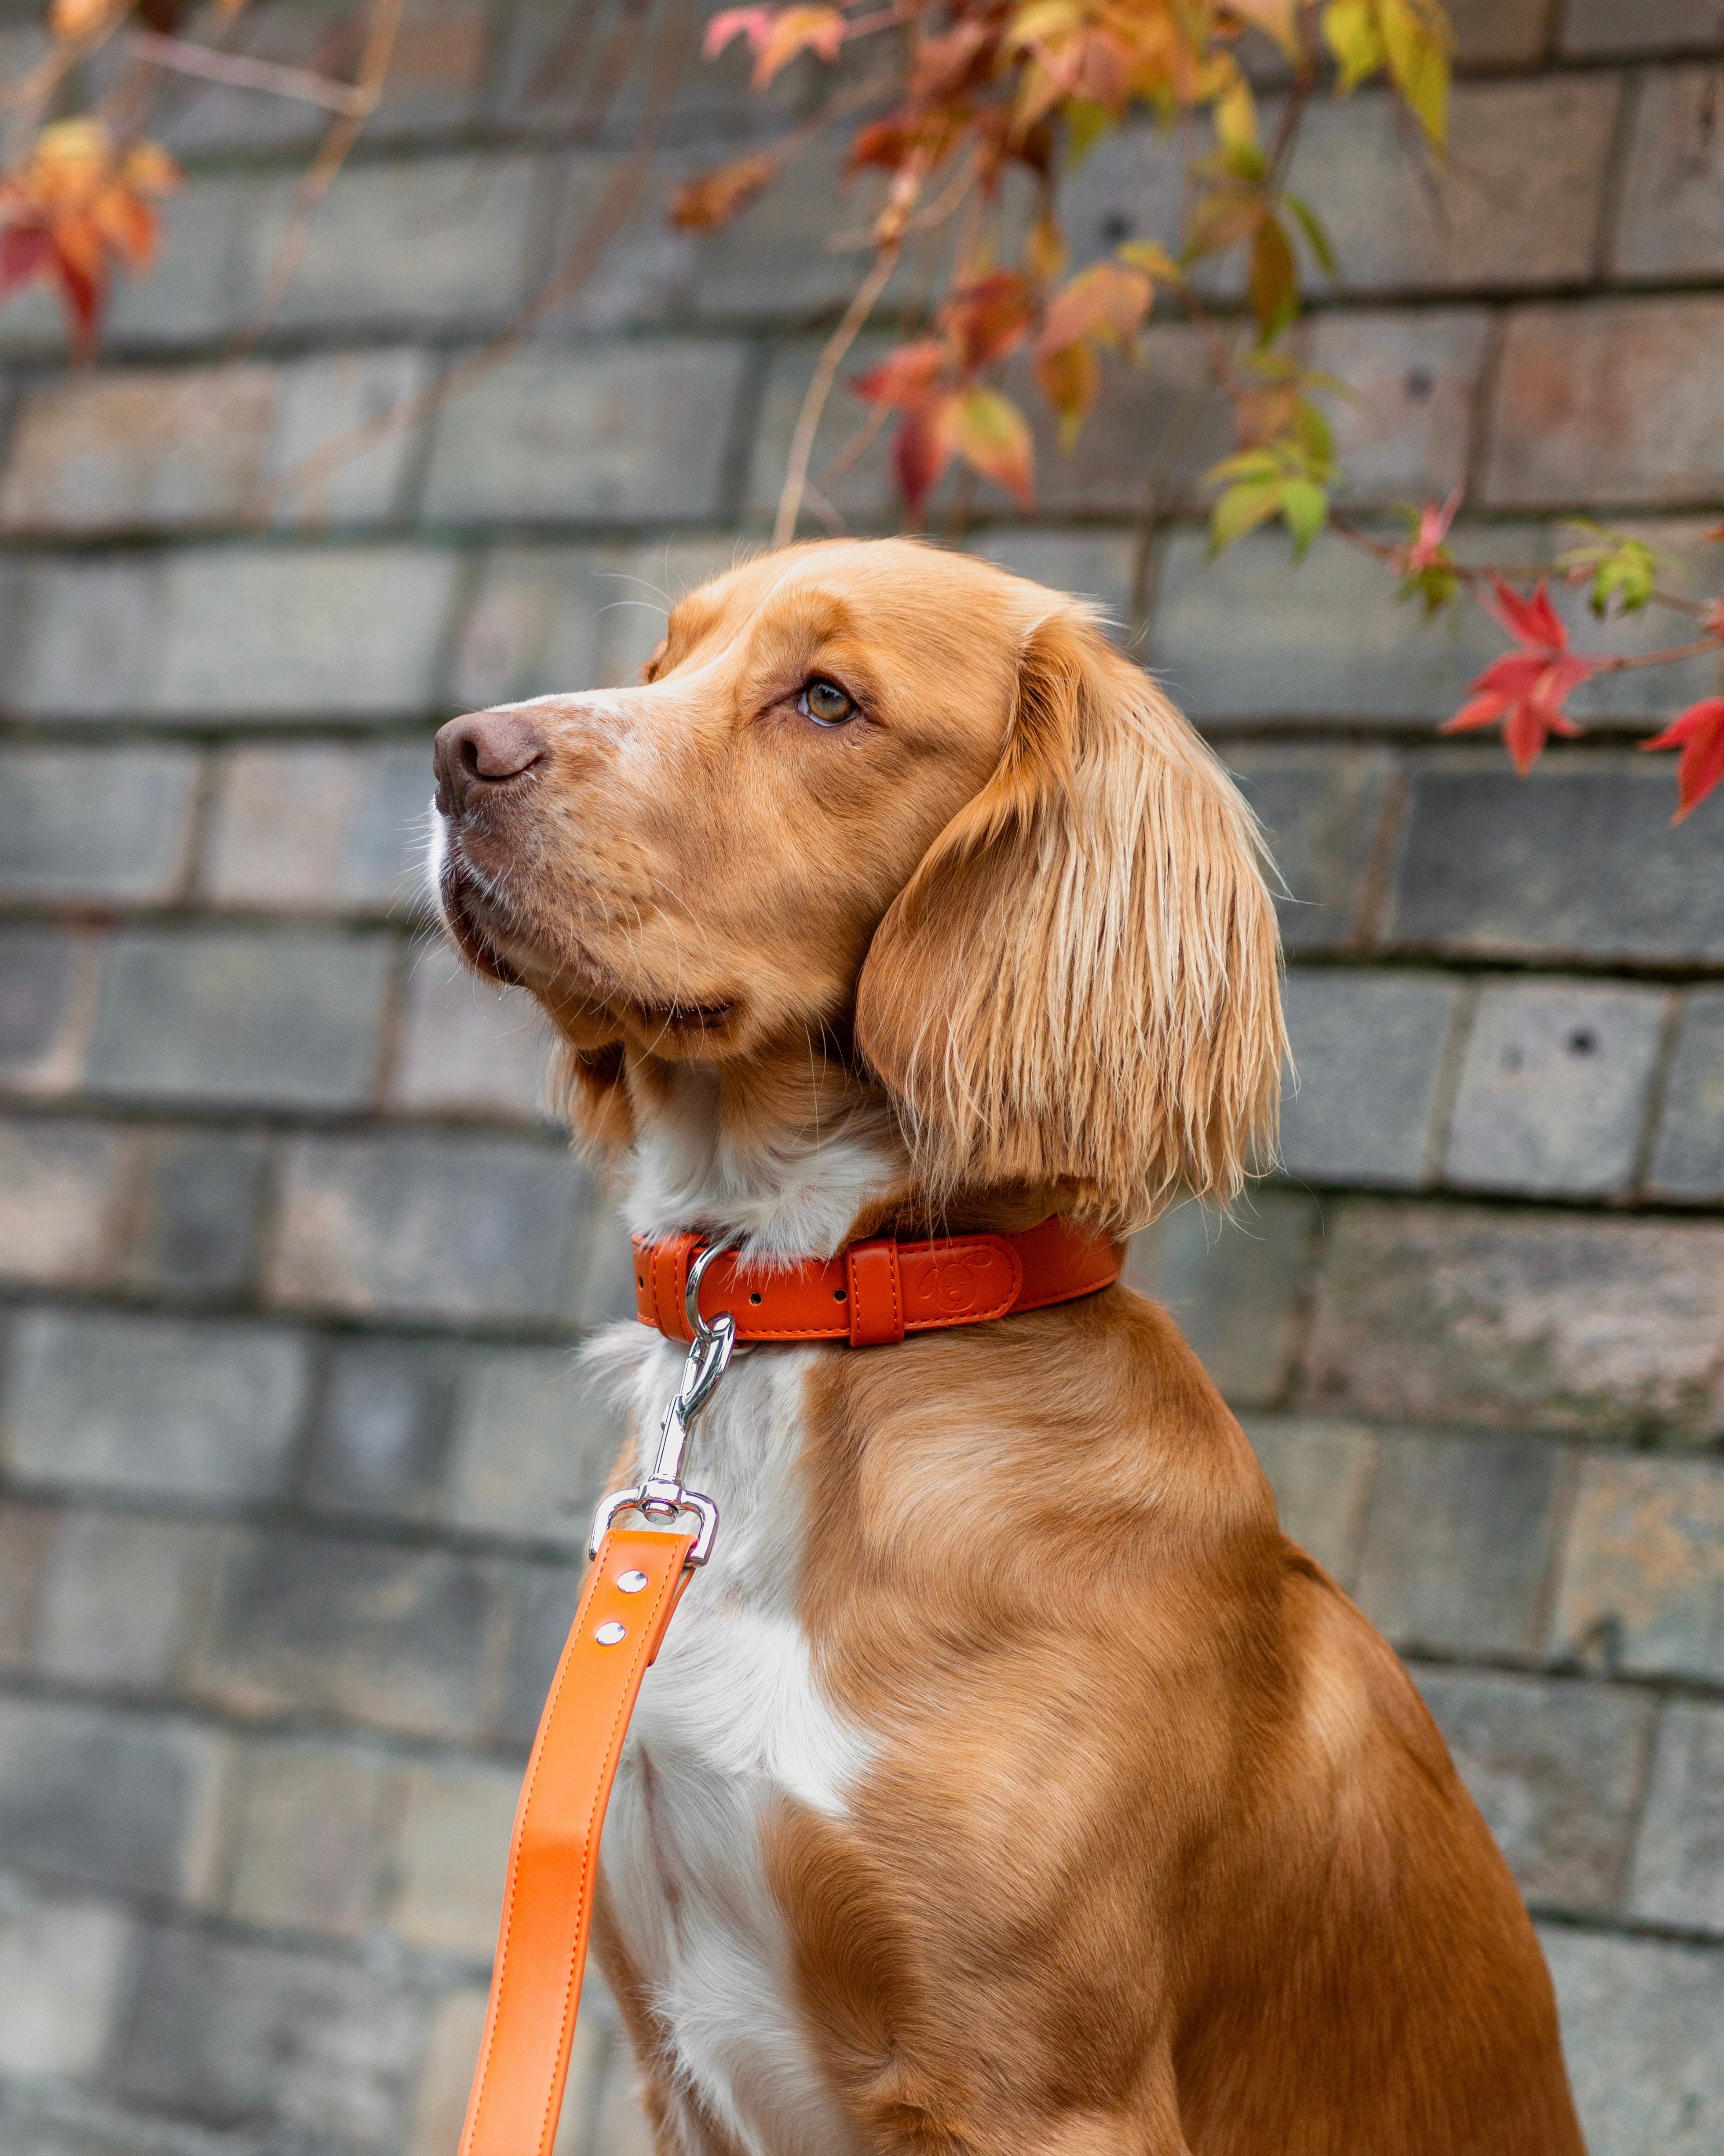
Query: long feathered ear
1079,986
585,1089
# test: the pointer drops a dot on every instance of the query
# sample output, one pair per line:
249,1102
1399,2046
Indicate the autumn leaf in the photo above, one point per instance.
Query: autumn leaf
992,437
1426,567
1414,36
776,38
1276,16
70,20
1274,282
922,449
1699,733
1351,32
1526,689
1106,301
906,376
989,318
1071,379
1290,477
76,208
711,199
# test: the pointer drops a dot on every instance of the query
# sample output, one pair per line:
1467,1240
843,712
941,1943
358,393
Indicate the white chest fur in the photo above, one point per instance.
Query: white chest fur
730,1721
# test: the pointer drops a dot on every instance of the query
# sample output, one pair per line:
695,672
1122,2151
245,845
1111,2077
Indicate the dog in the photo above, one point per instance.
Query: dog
1008,1784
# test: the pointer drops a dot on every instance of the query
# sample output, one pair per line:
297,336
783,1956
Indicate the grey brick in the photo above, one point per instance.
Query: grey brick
1460,1537
440,2108
62,1965
864,496
1672,225
90,637
138,448
1554,1087
1678,1856
1498,33
287,1019
1128,188
536,627
534,1439
465,1047
1640,2027
26,1531
119,1593
244,2035
543,1601
45,979
1403,433
61,1185
1555,1770
1321,1473
473,1227
1095,565
199,287
638,433
450,1854
415,244
1611,27
308,1844
1256,636
1321,810
320,827
107,1800
1368,1048
354,630
1545,1322
1141,409
1516,204
235,633
322,401
1688,1156
394,1639
1579,860
1643,1580
195,1214
381,1431
102,1400
1608,400
776,261
91,825
1237,1290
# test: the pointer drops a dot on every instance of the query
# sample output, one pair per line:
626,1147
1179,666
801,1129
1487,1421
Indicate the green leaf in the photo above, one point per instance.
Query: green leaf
1241,510
1245,464
1351,32
1085,124
1305,506
1274,278
1311,225
1316,437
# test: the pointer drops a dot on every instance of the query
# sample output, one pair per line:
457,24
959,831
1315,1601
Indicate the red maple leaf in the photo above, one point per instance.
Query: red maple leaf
1699,733
1526,689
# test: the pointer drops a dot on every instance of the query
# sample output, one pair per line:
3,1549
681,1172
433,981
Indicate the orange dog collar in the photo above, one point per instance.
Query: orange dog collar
873,1292
876,1291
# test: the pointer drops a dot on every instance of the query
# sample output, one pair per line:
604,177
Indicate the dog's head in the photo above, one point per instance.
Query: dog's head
900,804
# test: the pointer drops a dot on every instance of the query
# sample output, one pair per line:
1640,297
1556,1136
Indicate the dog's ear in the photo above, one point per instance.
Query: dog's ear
1079,986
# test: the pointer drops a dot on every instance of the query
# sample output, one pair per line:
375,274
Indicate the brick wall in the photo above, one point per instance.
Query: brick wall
295,1460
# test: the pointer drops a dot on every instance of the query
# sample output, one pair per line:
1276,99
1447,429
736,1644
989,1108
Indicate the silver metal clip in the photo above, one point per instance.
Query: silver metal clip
661,1495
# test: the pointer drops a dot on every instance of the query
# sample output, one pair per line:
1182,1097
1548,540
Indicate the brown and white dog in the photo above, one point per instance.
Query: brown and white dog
1009,1784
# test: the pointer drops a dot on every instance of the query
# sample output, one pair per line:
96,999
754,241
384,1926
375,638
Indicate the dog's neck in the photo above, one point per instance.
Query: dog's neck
790,1152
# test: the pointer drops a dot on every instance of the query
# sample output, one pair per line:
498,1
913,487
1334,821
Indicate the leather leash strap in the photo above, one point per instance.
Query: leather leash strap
553,1859
876,1291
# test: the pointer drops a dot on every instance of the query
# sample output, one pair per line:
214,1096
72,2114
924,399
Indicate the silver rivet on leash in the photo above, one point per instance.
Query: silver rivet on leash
608,1634
631,1582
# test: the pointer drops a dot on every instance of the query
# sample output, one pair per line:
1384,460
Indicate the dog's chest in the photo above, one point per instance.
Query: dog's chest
731,1723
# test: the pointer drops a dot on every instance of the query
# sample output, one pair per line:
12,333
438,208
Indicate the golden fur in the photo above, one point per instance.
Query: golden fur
1157,1850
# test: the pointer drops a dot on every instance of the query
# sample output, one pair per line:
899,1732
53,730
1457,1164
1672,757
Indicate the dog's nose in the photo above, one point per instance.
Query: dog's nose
485,749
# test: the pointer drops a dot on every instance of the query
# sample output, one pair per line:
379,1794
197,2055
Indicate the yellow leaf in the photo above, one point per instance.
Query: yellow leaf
992,436
1045,248
1071,380
1274,16
1236,116
1351,32
1419,61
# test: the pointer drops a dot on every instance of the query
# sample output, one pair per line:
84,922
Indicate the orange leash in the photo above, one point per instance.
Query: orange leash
553,1858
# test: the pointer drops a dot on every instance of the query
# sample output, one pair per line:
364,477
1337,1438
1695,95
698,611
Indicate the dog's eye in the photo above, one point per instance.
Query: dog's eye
826,704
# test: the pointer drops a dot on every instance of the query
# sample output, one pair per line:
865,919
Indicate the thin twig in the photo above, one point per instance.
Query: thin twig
597,234
331,156
808,420
1478,573
1178,433
238,71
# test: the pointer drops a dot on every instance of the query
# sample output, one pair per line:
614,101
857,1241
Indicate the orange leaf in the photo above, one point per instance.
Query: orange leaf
713,198
754,24
1104,301
1699,733
72,19
992,436
905,377
796,30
